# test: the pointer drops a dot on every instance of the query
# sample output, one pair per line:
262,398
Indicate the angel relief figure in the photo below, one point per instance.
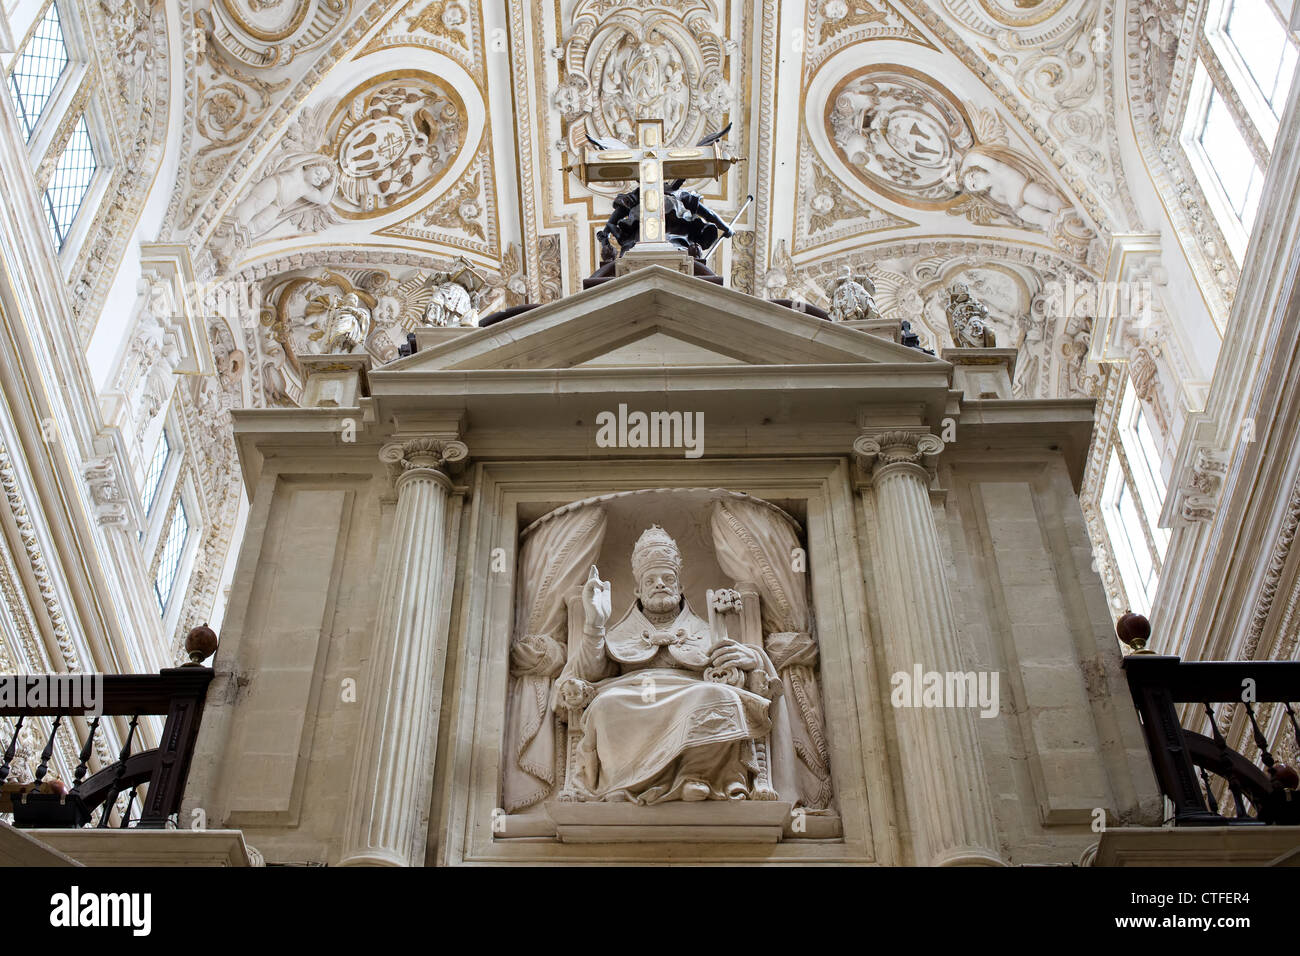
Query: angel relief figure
1011,185
297,187
447,297
664,704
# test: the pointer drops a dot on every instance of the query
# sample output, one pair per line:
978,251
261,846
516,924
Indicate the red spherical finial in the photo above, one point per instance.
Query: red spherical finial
200,644
1284,776
1134,630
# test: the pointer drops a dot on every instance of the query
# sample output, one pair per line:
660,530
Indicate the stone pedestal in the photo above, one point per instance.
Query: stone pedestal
391,776
982,373
432,336
654,254
889,329
943,770
336,380
747,821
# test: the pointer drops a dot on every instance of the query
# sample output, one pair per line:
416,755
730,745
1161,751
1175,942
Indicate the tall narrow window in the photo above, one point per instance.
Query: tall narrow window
1231,160
170,562
1143,456
70,182
37,70
153,479
1128,539
1261,40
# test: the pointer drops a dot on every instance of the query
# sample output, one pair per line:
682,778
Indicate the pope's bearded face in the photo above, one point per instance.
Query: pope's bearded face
659,591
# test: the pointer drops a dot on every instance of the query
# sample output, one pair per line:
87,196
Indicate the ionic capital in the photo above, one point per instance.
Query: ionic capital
876,451
896,448
424,454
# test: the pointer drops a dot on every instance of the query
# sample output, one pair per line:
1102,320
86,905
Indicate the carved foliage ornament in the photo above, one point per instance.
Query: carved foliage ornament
230,103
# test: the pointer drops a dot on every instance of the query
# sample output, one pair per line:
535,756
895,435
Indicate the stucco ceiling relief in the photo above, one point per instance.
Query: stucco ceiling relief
392,139
386,145
463,216
267,33
1017,285
664,61
907,137
452,27
832,25
830,212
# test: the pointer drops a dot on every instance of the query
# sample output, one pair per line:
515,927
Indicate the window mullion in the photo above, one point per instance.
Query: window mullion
58,139
1126,476
1231,97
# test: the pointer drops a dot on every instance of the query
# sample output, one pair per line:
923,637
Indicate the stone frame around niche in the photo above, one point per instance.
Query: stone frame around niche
465,824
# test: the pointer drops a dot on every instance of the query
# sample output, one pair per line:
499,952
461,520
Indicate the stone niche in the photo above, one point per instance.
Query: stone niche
784,786
823,808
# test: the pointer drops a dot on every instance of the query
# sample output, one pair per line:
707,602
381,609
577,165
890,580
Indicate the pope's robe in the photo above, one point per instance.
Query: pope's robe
659,723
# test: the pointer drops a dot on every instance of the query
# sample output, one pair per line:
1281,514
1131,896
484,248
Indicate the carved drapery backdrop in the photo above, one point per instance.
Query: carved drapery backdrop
753,546
552,562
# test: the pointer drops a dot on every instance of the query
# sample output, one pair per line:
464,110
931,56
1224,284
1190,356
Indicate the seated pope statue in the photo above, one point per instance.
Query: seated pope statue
672,711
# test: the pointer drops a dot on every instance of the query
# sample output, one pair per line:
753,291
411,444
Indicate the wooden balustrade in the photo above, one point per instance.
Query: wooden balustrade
154,777
1190,766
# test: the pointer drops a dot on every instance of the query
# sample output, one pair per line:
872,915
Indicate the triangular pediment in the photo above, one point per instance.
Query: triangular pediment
656,318
660,350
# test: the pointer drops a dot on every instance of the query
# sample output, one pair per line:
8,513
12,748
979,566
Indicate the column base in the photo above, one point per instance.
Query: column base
373,858
967,856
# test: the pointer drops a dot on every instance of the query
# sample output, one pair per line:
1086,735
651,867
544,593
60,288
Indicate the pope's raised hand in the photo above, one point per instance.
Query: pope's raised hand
596,600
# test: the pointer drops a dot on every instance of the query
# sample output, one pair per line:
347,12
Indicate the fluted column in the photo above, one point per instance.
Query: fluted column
391,775
943,770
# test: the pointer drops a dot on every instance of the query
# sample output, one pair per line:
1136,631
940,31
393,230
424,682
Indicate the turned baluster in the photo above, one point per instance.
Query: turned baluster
1295,728
83,759
1234,788
1209,791
9,751
116,788
46,753
126,811
1260,740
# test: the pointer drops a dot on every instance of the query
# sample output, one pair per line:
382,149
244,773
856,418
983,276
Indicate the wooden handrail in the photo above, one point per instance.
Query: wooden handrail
128,695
